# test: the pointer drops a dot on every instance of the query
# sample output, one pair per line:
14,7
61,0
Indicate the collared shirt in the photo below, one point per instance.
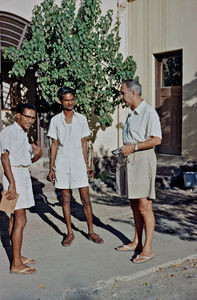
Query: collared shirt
14,139
69,157
141,124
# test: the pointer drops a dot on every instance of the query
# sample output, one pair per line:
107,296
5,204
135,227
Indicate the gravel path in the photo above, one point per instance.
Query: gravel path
175,282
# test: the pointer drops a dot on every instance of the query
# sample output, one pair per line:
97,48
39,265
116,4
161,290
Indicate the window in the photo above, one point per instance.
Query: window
172,70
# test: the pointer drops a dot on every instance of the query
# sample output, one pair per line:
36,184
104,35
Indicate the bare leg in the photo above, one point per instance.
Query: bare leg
17,237
66,196
145,210
11,222
138,223
136,244
135,239
85,199
24,260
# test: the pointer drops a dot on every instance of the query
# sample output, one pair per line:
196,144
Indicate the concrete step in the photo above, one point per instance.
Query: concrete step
168,170
163,182
171,170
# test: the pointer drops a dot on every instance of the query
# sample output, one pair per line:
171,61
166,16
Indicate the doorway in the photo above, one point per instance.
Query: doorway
168,83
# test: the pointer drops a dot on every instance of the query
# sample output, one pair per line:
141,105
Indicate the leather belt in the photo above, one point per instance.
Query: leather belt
21,166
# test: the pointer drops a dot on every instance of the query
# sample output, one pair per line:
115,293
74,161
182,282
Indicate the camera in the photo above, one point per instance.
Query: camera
116,151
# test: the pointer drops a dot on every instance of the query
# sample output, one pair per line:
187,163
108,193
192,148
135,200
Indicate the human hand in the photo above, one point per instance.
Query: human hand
90,172
11,193
51,175
127,149
37,150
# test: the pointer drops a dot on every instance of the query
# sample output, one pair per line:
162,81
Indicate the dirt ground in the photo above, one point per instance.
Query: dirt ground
175,282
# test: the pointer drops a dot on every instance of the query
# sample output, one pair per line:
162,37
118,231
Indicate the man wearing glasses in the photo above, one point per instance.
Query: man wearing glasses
16,156
141,132
69,167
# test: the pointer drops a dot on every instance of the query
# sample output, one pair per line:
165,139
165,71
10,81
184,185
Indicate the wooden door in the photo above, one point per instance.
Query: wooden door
169,100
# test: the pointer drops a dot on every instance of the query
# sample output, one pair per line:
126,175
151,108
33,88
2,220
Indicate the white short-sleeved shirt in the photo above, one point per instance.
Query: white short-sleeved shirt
141,124
14,139
69,158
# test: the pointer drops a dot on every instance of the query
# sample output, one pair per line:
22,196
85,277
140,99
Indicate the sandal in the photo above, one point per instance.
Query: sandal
142,259
25,271
28,261
68,240
95,238
125,248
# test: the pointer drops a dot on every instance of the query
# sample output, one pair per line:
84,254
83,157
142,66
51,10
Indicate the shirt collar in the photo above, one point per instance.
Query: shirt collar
19,128
63,117
140,107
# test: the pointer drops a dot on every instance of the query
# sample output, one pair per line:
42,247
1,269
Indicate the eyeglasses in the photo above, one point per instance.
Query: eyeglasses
29,117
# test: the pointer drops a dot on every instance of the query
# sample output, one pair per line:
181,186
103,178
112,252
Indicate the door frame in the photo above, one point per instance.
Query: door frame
158,85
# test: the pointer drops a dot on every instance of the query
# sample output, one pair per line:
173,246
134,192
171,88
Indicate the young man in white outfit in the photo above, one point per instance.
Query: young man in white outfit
16,156
142,132
69,167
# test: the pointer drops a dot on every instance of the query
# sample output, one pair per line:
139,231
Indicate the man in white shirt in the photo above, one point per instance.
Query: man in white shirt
69,160
16,156
141,132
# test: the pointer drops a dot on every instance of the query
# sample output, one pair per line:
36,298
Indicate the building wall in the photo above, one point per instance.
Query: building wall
156,26
22,8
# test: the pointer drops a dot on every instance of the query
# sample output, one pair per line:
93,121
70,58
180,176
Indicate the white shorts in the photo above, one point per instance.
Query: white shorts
23,187
69,181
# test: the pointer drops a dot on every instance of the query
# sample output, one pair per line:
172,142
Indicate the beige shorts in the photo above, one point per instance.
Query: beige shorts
70,181
23,187
140,174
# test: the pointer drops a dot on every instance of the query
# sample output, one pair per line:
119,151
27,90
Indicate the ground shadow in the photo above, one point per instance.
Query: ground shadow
175,211
43,206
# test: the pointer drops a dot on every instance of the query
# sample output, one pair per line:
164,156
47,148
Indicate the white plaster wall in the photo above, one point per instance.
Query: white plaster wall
111,138
164,25
21,8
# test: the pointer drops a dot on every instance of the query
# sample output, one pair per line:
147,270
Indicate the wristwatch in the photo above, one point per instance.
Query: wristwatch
135,147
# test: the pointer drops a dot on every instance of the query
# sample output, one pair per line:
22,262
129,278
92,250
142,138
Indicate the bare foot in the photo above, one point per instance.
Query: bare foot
95,238
22,269
68,240
28,261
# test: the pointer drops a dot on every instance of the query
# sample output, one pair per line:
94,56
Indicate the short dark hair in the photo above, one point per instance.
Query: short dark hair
133,85
22,106
65,90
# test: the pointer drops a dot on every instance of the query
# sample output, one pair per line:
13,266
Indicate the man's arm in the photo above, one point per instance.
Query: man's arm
150,143
37,150
85,155
53,152
8,172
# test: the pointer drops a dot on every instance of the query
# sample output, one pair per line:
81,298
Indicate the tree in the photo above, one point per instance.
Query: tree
77,49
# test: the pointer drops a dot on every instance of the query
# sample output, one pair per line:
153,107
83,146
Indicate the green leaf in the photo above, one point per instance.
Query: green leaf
78,49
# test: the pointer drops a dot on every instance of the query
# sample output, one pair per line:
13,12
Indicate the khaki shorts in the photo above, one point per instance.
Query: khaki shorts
140,175
136,179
